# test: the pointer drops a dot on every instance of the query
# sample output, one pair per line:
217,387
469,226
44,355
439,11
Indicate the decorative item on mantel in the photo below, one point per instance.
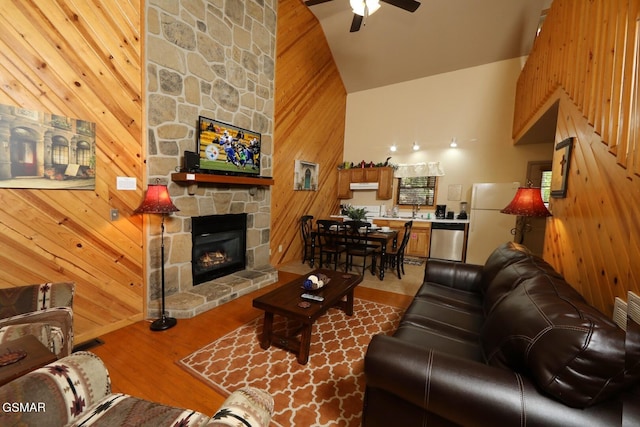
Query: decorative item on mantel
158,201
370,164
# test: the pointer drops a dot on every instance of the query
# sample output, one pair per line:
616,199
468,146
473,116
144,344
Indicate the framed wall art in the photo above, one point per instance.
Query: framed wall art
46,151
560,168
305,176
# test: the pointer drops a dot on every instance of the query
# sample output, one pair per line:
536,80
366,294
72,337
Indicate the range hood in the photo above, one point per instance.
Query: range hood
363,186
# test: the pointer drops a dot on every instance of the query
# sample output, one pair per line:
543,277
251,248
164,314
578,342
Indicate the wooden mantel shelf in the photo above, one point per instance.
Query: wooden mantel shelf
194,178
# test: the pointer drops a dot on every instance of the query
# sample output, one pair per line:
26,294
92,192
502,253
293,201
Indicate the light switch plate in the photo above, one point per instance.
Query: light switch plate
125,183
115,215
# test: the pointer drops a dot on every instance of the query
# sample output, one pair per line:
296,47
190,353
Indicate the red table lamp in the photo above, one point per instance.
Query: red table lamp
526,203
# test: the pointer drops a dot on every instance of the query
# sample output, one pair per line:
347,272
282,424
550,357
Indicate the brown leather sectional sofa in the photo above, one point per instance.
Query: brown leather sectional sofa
509,343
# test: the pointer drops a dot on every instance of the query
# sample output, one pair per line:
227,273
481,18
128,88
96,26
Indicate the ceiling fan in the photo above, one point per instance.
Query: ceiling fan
363,8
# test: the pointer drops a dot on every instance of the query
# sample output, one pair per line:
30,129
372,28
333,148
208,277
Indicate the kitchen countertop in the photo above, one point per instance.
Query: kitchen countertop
406,218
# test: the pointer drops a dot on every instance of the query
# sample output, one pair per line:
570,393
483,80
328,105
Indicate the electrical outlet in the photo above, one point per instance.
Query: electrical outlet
280,248
115,215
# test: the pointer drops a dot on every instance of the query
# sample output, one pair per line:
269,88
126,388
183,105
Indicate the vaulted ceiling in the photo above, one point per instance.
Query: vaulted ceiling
440,36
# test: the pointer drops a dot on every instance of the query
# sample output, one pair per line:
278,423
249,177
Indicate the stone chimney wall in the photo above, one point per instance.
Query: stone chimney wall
214,58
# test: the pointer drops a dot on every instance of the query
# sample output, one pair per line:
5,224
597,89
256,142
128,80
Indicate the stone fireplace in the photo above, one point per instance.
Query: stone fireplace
215,59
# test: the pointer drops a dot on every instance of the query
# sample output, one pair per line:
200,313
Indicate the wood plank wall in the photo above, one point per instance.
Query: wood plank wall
586,56
310,110
80,59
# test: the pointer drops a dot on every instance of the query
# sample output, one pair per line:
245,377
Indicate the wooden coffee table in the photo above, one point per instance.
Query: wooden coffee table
284,301
37,356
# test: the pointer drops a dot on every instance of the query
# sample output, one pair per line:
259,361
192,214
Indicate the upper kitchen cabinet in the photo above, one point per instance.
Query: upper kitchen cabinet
379,179
344,181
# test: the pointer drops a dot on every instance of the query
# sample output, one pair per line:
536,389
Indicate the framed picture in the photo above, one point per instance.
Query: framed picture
46,151
305,176
560,168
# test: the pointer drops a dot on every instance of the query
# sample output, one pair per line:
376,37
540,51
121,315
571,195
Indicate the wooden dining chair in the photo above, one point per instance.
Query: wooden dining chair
306,226
330,239
357,233
395,256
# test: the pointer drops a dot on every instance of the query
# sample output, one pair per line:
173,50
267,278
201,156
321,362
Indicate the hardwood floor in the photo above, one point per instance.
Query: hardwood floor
142,363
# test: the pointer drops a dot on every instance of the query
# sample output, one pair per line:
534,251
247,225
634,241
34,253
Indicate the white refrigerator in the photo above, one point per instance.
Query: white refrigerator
488,228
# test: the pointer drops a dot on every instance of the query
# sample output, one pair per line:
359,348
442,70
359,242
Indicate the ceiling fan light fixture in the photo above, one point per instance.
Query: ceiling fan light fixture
364,7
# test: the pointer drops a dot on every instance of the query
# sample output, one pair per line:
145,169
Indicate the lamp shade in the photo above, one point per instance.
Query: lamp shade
156,201
527,202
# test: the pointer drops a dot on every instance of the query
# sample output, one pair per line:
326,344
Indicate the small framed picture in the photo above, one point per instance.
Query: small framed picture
305,176
560,168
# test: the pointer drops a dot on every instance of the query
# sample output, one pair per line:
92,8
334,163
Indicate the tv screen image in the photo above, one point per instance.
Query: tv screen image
227,149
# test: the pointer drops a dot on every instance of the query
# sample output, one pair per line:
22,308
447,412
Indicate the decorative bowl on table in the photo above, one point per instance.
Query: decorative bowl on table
315,282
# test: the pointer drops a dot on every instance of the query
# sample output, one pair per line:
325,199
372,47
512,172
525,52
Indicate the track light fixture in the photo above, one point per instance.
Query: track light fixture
416,147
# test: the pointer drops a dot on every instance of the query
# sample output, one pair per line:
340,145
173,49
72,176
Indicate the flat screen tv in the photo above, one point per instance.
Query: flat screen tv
226,149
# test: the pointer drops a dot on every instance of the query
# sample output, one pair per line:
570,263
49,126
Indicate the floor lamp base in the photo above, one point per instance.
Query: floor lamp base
163,323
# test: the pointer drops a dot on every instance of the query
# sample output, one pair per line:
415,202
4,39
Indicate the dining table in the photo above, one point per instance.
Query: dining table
375,235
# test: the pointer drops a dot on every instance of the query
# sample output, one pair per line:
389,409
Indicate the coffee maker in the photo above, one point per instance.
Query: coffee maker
441,211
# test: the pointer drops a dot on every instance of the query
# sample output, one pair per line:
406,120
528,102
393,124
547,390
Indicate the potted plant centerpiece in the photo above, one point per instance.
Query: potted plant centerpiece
356,214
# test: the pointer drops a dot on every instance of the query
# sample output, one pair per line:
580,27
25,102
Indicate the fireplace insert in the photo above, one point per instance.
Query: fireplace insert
219,246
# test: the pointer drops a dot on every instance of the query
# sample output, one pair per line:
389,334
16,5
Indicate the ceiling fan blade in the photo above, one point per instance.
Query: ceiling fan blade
408,5
315,2
355,24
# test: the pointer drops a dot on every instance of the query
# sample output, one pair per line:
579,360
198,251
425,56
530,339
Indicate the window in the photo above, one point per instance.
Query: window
420,190
83,153
545,187
60,151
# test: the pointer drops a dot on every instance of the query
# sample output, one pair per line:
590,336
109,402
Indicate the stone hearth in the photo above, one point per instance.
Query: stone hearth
208,295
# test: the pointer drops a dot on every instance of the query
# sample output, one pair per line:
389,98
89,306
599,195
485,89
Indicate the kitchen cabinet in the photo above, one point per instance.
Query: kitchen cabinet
365,174
382,175
344,179
418,244
385,184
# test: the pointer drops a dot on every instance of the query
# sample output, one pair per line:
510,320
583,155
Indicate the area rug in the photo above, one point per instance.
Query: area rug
413,261
327,391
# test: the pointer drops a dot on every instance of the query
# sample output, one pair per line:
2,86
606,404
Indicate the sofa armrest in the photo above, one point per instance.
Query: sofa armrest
456,275
467,392
247,406
47,394
60,321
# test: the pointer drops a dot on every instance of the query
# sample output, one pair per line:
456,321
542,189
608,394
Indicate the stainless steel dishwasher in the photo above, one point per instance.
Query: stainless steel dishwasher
447,241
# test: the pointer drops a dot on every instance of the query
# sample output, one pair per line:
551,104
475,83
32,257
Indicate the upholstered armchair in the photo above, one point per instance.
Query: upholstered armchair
44,311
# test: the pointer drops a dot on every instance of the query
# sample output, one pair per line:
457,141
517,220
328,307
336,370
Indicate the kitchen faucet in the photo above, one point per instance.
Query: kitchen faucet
414,211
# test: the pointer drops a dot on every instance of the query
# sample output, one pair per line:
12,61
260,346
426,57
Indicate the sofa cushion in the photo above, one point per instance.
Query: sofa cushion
545,329
466,300
503,256
29,298
445,319
512,276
